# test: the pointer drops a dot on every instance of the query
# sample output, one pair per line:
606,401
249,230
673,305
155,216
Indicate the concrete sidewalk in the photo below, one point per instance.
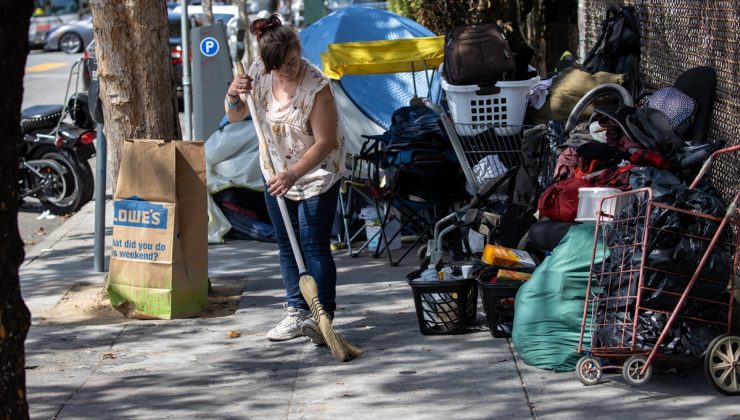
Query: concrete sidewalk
191,369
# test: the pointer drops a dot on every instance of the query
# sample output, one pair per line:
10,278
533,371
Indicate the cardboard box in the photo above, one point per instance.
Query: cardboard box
506,257
159,258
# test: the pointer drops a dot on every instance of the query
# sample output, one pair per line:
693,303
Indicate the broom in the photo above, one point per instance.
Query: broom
342,349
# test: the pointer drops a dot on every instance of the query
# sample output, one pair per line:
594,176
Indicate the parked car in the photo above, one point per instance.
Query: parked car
229,14
175,40
50,14
72,37
175,43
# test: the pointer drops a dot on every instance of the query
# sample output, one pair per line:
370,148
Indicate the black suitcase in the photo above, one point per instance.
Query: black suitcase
477,54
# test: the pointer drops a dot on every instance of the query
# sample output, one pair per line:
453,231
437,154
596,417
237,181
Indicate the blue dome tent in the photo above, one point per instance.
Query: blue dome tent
376,96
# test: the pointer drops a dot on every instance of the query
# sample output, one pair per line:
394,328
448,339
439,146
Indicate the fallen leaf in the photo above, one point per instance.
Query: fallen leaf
339,382
109,355
41,231
234,334
29,242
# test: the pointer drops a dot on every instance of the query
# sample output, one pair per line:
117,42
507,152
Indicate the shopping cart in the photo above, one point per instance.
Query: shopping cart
642,307
489,154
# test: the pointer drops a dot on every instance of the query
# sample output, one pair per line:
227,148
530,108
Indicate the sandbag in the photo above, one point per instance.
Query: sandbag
548,310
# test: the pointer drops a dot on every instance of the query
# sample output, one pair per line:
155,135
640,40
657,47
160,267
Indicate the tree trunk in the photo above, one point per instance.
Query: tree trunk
536,24
244,18
207,12
137,84
14,316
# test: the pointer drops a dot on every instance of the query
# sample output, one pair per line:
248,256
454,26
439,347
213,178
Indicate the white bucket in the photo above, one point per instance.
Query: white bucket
372,230
588,204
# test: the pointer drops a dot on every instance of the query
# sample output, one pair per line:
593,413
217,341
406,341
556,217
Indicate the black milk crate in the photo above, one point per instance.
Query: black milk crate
445,307
499,312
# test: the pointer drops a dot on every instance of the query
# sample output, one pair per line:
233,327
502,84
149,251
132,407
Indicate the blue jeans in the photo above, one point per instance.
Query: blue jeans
312,221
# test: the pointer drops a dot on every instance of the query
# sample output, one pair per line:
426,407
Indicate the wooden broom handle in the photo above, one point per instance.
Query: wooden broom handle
271,170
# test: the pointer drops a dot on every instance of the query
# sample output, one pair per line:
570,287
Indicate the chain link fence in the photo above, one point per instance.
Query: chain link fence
677,35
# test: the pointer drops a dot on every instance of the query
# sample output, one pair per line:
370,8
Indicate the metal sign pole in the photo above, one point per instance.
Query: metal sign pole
101,167
186,92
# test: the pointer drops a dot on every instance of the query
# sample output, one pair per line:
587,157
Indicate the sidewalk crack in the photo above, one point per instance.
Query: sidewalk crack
530,404
92,372
292,391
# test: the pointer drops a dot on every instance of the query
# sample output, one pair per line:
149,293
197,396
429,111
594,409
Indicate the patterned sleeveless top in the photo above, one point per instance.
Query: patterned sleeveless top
286,130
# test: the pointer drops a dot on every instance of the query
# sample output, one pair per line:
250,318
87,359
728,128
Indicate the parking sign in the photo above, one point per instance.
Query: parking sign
209,46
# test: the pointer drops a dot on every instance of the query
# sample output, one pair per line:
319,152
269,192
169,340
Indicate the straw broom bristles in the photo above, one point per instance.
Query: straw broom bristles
339,346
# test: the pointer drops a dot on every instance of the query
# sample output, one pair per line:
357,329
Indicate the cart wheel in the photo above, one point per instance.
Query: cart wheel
588,370
722,364
631,370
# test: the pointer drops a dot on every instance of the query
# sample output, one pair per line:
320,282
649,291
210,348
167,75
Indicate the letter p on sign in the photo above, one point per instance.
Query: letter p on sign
209,46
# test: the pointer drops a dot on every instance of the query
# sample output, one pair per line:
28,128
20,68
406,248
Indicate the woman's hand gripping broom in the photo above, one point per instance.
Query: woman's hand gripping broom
342,349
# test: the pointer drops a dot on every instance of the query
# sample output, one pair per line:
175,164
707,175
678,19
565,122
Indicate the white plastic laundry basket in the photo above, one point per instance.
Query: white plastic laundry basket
505,108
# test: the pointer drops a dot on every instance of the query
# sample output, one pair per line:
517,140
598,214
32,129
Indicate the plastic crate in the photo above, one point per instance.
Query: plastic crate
445,307
469,104
499,314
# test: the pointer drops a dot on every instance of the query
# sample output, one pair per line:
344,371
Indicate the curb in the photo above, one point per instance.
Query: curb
58,234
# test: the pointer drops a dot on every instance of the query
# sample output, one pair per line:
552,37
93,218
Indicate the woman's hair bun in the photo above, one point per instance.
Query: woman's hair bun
260,26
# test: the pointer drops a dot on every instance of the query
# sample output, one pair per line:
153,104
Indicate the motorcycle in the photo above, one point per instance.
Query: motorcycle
54,153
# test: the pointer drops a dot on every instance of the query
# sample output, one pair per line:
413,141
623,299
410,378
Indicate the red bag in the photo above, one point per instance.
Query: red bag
560,200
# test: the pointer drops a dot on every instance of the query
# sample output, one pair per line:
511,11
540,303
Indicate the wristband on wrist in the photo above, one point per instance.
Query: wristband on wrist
233,96
233,104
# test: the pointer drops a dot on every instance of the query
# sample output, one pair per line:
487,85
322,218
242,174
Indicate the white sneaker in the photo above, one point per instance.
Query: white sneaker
310,329
290,326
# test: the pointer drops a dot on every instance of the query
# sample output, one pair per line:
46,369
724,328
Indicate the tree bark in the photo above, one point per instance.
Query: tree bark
137,84
14,316
207,12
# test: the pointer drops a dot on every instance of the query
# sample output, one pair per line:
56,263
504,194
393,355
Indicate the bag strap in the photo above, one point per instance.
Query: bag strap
611,14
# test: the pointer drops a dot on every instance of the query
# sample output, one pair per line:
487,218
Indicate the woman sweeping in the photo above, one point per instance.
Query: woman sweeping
298,116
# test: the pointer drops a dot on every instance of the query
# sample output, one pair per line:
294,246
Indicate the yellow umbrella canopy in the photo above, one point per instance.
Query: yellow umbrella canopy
386,56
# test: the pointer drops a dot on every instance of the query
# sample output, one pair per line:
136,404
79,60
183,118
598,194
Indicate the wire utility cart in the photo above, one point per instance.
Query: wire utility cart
489,153
647,303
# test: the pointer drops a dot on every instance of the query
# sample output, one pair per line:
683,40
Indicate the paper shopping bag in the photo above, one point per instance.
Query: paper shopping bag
159,258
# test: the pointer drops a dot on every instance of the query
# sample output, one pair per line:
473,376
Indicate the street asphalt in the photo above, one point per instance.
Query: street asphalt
191,368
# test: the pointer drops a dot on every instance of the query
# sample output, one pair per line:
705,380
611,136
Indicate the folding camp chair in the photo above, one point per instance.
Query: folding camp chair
375,57
362,187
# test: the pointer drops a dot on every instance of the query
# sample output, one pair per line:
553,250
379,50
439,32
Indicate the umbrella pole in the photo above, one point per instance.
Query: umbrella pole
413,76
